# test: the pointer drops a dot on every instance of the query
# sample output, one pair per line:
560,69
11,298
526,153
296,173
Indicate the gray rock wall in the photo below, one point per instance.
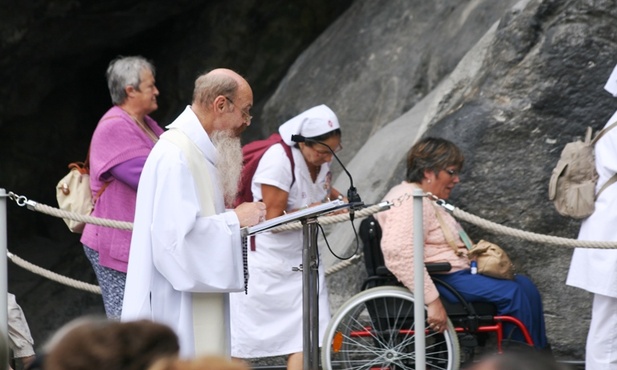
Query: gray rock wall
378,60
531,83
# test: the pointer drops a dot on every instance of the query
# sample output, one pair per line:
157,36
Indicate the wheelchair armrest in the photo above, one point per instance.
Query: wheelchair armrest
383,271
438,267
430,267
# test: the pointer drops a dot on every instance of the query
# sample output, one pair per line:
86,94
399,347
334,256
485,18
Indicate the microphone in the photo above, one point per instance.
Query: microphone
352,194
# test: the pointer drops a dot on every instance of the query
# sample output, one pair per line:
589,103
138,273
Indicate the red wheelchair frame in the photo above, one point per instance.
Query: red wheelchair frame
468,318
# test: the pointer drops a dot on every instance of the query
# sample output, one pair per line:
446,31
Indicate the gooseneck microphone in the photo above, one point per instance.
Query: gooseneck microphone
352,194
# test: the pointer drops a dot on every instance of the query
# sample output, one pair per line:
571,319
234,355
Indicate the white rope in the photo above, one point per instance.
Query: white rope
331,219
122,225
324,220
52,211
343,265
52,275
534,237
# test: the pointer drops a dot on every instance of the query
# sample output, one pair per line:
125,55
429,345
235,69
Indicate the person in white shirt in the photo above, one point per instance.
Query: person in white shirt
186,245
595,270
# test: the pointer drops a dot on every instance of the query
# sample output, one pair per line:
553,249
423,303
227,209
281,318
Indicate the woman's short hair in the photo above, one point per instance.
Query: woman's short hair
107,344
434,154
123,72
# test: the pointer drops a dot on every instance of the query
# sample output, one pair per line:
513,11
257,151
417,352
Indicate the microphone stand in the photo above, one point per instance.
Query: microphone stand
352,194
310,275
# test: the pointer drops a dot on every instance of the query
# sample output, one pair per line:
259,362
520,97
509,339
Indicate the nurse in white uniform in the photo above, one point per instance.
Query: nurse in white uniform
268,321
595,270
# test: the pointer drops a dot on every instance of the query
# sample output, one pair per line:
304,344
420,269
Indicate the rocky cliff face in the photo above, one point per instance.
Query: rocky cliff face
510,82
531,84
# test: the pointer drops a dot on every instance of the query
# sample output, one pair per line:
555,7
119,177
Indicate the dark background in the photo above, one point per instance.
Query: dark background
53,57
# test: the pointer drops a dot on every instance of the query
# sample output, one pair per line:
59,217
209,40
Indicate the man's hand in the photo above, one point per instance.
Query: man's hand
250,214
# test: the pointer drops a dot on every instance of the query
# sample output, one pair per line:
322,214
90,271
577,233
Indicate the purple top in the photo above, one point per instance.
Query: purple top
117,140
128,171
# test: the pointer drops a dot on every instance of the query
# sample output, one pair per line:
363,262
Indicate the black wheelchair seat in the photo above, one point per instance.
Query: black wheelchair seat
378,274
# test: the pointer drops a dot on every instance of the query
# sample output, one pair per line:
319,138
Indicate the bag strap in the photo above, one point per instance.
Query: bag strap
100,192
289,154
87,161
613,179
446,230
602,132
610,182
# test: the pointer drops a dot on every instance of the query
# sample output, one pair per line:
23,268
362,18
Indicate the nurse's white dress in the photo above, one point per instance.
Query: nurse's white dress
268,321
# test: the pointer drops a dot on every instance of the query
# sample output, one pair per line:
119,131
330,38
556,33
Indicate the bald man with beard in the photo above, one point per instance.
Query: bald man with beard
186,248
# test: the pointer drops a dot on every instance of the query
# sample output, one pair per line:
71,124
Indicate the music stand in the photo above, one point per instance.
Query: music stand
310,275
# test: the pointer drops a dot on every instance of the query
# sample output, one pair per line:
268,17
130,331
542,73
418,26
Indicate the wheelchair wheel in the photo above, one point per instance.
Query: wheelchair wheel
375,330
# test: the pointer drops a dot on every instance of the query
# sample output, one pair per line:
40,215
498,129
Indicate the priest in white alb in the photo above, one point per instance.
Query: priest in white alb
186,249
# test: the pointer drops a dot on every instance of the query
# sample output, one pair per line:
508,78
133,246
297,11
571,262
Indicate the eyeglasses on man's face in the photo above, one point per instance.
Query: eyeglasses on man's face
245,114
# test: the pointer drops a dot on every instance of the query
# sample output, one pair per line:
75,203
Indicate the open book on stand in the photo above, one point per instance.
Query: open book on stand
295,216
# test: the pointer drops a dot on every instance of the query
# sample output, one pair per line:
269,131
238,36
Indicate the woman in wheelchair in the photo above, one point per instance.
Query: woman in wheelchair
434,165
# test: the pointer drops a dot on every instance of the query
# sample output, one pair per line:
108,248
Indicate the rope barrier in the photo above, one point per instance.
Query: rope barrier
324,220
526,235
52,211
122,225
52,275
344,264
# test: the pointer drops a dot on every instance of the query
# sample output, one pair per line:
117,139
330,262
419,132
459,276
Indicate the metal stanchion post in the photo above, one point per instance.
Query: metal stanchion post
418,250
3,272
310,273
310,299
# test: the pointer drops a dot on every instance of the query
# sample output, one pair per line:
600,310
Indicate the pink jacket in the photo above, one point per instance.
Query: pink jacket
116,139
397,239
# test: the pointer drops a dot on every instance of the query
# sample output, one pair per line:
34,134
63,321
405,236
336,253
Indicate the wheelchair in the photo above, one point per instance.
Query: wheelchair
375,329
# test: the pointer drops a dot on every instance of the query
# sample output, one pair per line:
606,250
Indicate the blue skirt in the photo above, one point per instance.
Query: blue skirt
518,298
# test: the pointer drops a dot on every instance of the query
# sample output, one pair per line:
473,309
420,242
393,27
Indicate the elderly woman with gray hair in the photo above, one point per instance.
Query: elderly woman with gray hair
120,144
